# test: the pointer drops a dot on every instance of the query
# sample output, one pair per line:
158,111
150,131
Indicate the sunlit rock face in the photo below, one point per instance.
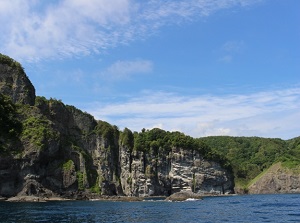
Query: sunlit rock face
164,174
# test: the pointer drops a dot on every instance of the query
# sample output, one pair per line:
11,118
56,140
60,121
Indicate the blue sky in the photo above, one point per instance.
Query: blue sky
203,67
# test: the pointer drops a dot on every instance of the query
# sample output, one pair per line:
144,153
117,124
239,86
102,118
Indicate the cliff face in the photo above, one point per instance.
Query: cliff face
14,82
277,179
63,151
168,173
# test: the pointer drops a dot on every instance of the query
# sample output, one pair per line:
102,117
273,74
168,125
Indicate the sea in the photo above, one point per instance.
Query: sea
246,208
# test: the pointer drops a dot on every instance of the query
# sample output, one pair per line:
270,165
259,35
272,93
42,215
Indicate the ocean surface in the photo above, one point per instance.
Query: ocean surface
249,208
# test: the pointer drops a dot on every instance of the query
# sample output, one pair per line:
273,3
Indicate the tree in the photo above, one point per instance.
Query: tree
127,138
10,126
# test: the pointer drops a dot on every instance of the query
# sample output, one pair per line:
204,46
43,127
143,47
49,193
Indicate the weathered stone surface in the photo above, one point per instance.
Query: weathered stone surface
143,175
189,171
277,179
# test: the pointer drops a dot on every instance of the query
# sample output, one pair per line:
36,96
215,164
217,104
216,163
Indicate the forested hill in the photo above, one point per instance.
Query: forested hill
250,156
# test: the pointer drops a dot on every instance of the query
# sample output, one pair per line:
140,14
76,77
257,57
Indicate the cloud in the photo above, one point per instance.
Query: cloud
226,59
233,46
125,69
37,30
266,114
63,29
231,49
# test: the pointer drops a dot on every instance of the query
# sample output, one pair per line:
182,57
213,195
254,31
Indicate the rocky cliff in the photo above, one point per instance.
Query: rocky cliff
15,83
62,151
168,173
277,179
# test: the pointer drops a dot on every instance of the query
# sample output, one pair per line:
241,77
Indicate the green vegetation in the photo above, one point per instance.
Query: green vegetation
40,101
11,62
37,130
250,156
157,141
81,180
291,158
10,126
69,165
107,131
127,139
96,188
90,175
246,157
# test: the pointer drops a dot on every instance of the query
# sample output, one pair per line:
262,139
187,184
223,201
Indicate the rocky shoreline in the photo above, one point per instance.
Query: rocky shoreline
179,196
48,199
45,199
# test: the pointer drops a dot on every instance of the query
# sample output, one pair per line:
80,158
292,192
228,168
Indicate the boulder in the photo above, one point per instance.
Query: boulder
183,196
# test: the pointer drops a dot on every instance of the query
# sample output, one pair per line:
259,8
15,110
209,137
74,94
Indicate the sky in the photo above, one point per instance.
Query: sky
202,67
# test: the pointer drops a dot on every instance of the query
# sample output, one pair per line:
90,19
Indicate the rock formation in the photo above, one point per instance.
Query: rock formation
165,174
65,152
15,83
277,179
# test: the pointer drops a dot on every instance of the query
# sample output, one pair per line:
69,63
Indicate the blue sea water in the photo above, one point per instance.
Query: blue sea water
248,208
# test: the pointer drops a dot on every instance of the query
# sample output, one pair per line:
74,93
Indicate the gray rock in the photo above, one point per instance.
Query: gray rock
183,196
26,199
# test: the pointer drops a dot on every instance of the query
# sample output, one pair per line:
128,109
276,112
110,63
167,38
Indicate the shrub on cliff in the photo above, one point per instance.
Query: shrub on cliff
127,138
11,62
10,126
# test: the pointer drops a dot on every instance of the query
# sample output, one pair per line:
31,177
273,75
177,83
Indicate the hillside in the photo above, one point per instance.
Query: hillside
251,156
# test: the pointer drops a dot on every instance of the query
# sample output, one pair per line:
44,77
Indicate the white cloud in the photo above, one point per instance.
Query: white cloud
266,114
34,30
61,30
124,69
